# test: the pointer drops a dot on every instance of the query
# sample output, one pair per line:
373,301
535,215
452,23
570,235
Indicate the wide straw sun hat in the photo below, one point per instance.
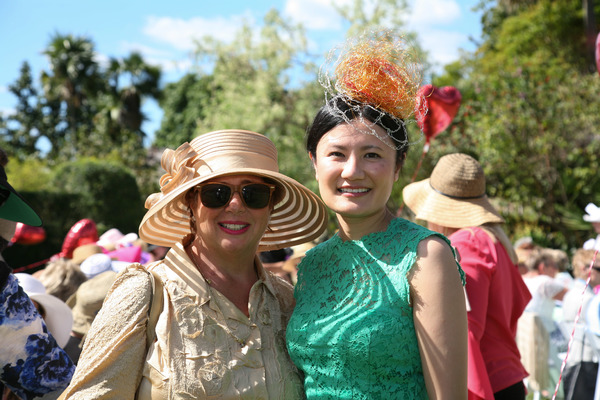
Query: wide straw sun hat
298,216
454,196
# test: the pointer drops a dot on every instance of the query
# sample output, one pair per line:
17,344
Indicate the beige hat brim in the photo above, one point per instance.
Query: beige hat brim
58,318
431,206
299,216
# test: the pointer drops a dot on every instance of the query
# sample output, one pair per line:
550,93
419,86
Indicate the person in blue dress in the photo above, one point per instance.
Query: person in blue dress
380,308
32,364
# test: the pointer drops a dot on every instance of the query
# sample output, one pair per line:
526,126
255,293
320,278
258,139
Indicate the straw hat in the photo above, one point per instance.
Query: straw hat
59,317
88,299
84,251
454,196
298,216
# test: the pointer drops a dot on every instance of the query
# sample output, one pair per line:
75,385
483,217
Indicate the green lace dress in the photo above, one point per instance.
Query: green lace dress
352,330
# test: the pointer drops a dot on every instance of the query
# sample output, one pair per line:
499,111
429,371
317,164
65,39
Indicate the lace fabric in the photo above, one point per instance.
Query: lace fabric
352,330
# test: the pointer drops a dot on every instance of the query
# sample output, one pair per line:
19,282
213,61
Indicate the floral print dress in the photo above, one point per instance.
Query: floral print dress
31,362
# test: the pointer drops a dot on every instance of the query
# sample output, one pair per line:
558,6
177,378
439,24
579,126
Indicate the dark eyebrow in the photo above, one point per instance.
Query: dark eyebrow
363,148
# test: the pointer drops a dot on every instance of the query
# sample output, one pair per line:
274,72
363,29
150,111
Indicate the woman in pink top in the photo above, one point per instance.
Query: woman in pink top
453,202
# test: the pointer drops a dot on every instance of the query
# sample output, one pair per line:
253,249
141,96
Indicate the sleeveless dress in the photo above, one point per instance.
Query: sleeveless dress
352,331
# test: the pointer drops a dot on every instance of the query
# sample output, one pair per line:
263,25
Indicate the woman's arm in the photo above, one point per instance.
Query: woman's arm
440,317
111,363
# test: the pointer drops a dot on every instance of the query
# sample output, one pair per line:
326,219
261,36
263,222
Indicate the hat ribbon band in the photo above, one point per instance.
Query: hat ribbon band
456,197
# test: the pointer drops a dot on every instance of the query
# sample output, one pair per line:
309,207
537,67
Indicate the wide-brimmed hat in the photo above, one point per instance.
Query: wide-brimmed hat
58,318
14,207
88,299
97,264
454,196
80,253
298,216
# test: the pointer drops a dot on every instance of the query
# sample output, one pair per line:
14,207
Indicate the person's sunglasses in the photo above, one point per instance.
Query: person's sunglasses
254,195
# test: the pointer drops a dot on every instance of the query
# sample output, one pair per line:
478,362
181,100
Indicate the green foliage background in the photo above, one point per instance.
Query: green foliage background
529,114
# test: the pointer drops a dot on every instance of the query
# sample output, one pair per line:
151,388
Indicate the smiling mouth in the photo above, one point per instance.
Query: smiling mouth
349,190
234,227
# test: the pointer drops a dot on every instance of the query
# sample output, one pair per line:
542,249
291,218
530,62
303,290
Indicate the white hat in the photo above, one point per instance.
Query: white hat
99,263
58,318
593,213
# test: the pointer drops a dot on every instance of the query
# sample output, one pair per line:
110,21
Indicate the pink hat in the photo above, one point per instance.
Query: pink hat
130,254
110,237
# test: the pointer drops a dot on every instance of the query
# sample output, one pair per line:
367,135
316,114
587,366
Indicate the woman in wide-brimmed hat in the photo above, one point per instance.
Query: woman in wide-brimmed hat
380,310
221,328
453,201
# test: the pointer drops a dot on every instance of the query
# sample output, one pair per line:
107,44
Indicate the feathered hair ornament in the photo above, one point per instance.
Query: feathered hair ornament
380,70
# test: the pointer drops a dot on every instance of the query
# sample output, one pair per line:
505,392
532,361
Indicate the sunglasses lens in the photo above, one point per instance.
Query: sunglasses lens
256,195
215,195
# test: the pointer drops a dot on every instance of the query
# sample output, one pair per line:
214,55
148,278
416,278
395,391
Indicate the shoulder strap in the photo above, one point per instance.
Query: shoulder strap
155,309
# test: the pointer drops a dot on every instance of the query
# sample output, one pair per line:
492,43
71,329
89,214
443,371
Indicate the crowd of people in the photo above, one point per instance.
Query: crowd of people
231,288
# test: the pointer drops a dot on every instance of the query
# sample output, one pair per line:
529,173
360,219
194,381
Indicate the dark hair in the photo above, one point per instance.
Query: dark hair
274,256
345,110
3,244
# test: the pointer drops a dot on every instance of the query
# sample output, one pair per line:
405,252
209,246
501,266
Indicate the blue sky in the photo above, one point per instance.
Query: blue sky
163,31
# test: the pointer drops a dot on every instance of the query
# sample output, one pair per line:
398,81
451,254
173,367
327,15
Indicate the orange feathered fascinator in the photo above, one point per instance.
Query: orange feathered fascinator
378,69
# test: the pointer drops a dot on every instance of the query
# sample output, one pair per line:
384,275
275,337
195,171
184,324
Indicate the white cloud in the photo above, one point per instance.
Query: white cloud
146,50
167,60
443,46
436,12
181,33
437,23
314,14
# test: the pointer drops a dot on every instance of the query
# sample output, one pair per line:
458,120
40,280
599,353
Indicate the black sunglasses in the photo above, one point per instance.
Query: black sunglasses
254,195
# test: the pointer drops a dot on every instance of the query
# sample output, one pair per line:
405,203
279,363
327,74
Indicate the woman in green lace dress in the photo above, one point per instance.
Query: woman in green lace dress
380,308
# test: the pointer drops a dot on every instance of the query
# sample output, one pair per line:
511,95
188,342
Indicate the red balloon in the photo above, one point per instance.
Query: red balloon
598,53
26,234
436,108
83,232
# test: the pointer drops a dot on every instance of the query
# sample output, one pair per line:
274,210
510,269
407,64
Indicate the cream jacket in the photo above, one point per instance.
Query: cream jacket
206,348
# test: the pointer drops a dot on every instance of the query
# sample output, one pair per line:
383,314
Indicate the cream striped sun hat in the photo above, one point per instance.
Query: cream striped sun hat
298,216
454,196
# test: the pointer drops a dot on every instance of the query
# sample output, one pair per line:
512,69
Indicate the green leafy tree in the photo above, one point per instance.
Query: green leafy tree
530,115
22,130
184,104
81,108
248,88
74,80
107,191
